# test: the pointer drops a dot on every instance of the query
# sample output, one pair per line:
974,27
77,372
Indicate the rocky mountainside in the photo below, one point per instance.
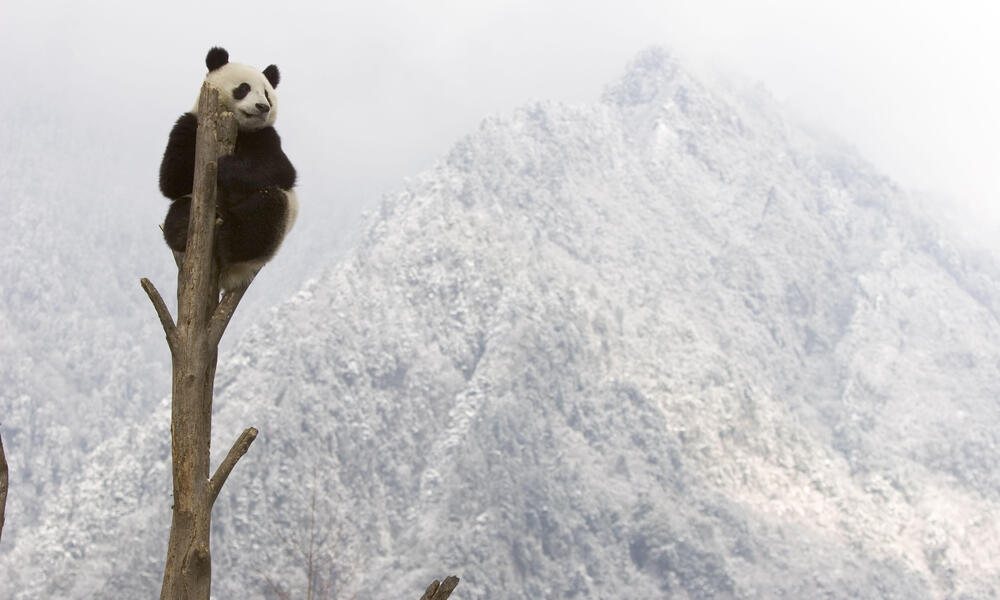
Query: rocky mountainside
668,345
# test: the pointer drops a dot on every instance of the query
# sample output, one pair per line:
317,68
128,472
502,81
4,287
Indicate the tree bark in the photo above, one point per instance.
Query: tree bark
194,339
4,481
193,342
440,590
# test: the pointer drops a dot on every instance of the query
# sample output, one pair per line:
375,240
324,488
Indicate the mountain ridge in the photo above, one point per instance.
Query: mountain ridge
654,346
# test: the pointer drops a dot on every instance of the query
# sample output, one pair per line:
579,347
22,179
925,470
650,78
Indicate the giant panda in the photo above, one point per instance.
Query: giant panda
257,204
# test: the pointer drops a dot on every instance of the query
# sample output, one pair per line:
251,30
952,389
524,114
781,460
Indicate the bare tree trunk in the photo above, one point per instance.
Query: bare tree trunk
194,348
194,342
4,481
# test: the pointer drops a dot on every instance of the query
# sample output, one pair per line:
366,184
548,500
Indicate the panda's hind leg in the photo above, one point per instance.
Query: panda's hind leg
175,226
253,225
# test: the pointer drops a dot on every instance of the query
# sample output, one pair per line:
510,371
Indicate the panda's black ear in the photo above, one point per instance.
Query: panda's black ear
272,74
216,58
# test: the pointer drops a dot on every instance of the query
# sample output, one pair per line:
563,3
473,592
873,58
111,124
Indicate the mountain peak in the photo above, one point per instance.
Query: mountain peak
650,73
648,344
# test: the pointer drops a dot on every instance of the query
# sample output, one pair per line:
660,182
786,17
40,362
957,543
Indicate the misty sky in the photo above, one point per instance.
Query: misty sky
375,91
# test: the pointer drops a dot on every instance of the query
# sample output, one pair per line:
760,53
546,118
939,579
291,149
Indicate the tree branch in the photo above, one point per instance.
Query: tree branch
4,481
440,590
162,311
224,312
239,448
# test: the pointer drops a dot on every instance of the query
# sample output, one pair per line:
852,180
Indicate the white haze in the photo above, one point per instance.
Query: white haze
373,92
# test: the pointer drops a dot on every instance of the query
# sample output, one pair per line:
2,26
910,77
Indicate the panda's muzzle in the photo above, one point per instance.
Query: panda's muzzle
262,110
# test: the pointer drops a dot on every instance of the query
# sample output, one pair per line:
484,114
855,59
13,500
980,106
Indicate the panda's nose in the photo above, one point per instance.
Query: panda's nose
263,108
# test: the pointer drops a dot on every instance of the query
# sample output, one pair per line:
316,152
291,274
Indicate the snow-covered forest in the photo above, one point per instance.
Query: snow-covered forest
665,342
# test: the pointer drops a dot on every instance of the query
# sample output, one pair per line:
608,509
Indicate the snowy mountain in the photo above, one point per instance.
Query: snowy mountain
81,352
668,345
78,352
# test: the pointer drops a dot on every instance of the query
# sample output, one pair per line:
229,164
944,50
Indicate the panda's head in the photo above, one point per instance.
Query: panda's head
245,91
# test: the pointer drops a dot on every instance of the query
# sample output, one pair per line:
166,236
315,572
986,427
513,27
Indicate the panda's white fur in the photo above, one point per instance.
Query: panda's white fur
229,77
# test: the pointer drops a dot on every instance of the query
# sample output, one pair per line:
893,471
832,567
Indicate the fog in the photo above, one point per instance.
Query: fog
852,368
374,92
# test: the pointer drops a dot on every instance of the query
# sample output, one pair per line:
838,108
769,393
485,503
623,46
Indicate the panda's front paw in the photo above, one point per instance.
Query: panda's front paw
229,169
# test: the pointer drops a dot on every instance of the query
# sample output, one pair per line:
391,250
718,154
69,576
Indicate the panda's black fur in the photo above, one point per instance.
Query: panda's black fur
257,203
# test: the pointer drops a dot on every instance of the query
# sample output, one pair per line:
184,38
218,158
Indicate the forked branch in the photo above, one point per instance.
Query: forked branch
161,311
239,448
224,312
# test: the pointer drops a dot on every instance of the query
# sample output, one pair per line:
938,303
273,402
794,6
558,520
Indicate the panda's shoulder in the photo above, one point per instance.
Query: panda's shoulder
262,139
185,129
268,135
187,121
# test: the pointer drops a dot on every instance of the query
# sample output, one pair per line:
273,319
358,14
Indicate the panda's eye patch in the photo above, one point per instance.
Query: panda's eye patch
241,92
266,97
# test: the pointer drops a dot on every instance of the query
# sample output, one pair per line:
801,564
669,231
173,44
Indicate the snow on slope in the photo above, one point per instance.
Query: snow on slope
81,351
663,346
78,351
